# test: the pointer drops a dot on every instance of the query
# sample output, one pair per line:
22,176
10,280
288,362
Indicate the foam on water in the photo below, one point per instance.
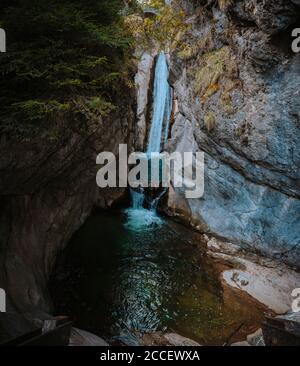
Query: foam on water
138,217
142,219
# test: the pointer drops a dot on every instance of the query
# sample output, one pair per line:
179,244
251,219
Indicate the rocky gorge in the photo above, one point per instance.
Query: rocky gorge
235,88
235,98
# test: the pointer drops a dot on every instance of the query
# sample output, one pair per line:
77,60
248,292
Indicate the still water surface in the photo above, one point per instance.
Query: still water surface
129,272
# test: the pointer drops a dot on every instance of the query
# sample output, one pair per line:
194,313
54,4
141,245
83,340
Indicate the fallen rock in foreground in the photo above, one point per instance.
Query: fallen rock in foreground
283,330
81,337
166,339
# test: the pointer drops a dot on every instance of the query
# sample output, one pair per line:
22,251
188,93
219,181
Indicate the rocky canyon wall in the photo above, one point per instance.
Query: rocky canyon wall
48,189
237,89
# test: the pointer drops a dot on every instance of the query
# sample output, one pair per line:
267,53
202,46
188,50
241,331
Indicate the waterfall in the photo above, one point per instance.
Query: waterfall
137,198
138,218
161,105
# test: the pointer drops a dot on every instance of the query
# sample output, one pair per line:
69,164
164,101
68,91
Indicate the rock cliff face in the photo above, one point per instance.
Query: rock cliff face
236,84
48,189
143,81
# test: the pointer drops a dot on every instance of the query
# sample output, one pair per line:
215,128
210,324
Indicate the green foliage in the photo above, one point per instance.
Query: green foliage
164,29
34,110
62,54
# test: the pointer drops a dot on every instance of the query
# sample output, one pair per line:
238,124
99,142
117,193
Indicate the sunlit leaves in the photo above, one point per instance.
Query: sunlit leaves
160,28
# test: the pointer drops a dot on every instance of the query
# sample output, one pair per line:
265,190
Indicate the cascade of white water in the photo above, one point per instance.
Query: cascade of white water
137,198
161,105
138,218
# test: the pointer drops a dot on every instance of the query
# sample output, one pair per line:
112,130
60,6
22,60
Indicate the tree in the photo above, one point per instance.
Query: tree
64,57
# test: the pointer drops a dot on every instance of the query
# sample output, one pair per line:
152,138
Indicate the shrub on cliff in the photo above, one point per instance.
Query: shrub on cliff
162,25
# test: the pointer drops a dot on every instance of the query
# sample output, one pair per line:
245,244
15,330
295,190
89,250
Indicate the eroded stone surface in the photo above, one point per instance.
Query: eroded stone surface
167,339
256,339
178,340
82,338
237,73
269,283
48,190
240,344
142,83
283,330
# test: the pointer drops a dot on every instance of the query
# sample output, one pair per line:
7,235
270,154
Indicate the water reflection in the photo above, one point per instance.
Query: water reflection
117,280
